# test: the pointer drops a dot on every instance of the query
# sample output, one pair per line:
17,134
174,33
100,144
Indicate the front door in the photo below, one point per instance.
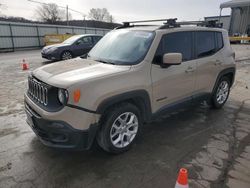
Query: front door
174,83
83,46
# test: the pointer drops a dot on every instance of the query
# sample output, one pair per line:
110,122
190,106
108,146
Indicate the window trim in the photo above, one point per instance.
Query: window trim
223,45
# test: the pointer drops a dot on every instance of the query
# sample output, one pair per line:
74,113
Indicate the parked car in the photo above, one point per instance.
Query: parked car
74,46
133,75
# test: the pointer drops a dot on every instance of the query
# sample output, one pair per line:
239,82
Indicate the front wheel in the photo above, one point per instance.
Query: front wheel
66,55
221,93
120,128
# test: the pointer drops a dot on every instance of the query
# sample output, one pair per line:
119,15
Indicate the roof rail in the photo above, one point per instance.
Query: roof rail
128,24
172,23
211,23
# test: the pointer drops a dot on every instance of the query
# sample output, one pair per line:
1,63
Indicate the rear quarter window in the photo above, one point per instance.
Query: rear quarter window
219,38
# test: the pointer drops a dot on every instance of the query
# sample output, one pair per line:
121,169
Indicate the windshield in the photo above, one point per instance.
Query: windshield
71,40
122,47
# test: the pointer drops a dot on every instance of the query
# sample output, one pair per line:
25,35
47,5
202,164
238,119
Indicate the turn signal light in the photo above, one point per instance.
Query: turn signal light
77,95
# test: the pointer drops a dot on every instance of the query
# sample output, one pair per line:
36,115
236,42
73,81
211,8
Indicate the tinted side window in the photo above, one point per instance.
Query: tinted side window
96,39
179,42
219,38
87,40
205,43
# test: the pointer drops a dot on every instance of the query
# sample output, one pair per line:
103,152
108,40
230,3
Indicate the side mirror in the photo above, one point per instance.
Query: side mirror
78,42
172,59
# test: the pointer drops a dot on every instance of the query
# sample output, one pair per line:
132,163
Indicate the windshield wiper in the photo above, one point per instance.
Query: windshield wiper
103,61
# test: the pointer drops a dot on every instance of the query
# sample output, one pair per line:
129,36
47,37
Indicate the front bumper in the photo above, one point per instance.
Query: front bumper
50,56
59,134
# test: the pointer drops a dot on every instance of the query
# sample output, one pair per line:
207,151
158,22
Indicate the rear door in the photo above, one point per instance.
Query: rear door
209,59
176,83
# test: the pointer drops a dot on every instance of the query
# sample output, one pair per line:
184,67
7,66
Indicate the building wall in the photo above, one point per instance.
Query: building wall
240,20
15,35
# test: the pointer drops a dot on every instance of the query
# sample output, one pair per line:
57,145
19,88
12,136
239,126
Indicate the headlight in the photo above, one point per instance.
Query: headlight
52,49
63,96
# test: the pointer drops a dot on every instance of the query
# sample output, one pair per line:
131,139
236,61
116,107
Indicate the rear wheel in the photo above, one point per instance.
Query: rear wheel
66,55
221,93
120,128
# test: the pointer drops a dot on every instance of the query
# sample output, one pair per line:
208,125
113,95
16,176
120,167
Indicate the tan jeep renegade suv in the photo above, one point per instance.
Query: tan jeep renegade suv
131,76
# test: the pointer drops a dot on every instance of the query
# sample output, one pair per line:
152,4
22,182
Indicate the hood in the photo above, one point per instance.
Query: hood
55,46
66,73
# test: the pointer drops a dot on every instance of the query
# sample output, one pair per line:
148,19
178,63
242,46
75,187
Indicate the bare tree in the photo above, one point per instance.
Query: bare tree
99,14
2,7
49,13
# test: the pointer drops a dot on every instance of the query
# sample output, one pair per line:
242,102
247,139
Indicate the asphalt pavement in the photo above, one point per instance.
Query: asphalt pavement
214,145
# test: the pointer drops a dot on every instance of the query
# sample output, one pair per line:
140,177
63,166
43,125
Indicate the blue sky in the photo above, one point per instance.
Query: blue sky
127,9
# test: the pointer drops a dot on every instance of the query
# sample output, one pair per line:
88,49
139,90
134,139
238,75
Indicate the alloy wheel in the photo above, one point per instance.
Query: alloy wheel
124,130
222,92
66,55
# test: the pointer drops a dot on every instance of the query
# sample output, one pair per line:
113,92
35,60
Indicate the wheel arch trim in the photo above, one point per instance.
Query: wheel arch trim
231,70
128,96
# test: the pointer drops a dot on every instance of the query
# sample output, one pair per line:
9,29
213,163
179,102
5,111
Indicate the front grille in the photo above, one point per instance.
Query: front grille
38,91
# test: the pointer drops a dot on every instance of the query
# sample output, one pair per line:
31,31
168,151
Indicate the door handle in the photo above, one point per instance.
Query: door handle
189,70
217,62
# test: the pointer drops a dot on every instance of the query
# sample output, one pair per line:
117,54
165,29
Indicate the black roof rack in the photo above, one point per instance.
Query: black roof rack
172,23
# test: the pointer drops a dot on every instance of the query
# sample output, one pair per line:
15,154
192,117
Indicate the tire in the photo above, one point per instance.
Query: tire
120,128
221,93
66,55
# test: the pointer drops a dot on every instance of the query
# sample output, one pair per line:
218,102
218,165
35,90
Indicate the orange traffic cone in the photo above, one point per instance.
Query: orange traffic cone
25,65
182,181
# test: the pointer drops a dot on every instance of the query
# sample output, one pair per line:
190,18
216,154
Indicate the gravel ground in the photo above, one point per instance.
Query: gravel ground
213,144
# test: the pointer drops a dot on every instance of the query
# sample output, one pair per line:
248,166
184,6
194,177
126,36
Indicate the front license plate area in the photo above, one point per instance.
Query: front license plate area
29,119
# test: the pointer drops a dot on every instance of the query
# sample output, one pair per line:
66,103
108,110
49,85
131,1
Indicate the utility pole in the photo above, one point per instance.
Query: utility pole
84,20
111,19
67,14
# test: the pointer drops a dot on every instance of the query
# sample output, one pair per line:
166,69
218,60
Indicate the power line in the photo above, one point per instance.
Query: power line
42,3
77,11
